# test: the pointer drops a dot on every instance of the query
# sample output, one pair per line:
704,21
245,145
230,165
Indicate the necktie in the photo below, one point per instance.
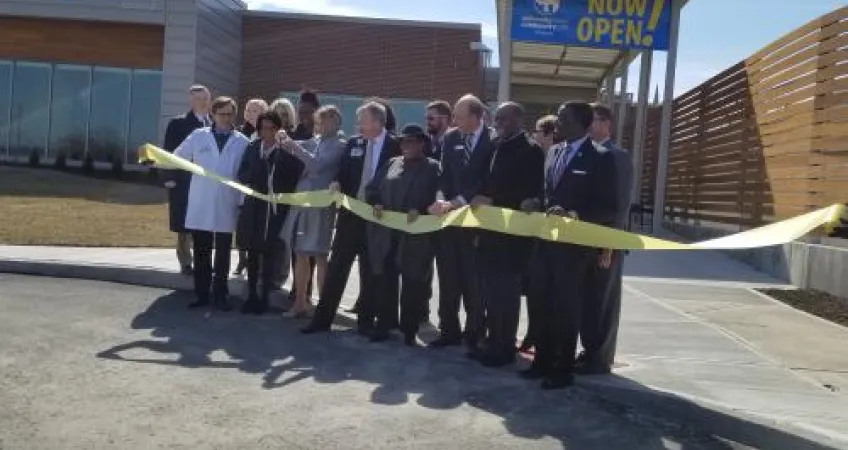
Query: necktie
560,163
467,140
367,168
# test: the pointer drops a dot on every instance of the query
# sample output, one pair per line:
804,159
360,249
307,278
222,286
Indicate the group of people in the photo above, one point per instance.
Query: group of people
567,166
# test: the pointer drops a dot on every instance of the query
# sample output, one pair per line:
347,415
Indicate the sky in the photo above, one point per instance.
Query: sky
714,34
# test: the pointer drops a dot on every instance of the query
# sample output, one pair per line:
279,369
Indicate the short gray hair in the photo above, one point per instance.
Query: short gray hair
375,109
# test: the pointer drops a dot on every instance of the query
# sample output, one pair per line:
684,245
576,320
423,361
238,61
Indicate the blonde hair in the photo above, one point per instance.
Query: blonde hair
257,101
329,111
284,107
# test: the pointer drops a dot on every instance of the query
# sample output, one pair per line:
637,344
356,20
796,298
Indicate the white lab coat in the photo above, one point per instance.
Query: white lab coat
213,206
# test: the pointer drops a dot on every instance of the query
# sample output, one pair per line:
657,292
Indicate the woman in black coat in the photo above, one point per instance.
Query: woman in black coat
406,184
268,170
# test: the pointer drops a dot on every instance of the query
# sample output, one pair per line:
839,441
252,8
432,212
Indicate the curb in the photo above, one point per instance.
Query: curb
706,417
116,274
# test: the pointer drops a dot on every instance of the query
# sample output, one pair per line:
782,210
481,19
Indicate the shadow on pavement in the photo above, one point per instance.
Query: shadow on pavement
587,417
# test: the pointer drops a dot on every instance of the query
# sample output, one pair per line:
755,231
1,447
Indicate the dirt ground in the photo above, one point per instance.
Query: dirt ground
819,303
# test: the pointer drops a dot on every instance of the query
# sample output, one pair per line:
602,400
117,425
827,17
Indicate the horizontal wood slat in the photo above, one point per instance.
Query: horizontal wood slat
130,45
763,140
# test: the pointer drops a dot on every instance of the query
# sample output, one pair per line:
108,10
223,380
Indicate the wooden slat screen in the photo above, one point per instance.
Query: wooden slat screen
764,140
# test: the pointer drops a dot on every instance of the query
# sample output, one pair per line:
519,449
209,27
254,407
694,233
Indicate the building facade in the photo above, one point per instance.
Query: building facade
99,78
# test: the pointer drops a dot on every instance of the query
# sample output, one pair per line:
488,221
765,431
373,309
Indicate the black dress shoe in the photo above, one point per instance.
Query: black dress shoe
534,372
250,306
410,341
365,329
199,303
380,336
495,360
446,341
313,328
222,304
558,382
474,352
592,369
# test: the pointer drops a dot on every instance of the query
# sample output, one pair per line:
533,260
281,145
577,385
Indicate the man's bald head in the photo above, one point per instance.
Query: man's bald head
468,113
508,119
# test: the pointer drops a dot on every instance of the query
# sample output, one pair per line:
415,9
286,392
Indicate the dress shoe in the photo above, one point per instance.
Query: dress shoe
365,329
592,369
199,303
534,372
187,270
495,360
558,382
314,328
446,341
380,336
410,340
222,303
474,352
250,306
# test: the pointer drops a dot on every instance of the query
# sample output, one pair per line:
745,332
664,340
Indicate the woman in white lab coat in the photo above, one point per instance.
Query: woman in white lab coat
212,206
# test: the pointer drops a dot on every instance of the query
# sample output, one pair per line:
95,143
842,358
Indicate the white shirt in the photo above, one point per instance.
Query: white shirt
203,119
376,148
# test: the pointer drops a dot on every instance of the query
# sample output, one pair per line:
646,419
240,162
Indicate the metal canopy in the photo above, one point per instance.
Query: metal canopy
534,65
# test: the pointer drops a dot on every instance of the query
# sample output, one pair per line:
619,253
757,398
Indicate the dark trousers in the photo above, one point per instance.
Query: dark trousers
561,270
412,297
500,286
204,242
255,260
349,243
601,312
534,292
458,283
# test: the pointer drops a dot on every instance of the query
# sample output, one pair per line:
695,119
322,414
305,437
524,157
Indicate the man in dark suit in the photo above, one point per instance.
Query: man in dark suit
364,155
466,152
582,183
599,330
439,115
513,179
178,181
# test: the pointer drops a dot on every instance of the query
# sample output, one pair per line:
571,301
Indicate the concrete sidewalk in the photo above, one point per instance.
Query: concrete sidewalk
696,342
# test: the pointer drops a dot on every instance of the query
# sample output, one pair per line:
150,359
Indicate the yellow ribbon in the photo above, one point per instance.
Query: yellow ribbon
538,225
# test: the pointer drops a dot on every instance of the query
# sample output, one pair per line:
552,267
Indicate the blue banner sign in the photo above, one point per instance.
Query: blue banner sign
615,24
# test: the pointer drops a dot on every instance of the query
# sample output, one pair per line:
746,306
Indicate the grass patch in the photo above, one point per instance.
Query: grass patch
50,207
822,304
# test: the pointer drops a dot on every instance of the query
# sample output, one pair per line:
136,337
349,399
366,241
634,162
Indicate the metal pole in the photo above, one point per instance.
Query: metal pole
609,101
623,101
665,126
641,121
505,43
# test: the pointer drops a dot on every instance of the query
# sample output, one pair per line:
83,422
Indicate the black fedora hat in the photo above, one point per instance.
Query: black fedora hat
414,131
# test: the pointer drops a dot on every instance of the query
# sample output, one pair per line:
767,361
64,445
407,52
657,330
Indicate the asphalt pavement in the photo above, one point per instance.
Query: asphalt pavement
91,365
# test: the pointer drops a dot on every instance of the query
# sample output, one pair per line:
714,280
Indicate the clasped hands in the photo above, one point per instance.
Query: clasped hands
411,215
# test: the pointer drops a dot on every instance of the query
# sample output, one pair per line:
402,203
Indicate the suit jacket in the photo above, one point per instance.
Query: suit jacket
353,161
461,178
177,131
515,173
588,185
624,167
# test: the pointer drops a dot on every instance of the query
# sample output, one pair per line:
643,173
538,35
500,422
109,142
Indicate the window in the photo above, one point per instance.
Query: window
144,112
69,111
30,109
407,112
349,106
5,104
110,99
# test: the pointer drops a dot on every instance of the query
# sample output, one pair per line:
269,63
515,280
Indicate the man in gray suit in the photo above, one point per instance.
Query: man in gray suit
602,307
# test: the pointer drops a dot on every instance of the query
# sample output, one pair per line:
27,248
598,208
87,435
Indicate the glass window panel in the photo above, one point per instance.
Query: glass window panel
407,111
5,104
69,110
144,110
110,101
30,108
349,106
